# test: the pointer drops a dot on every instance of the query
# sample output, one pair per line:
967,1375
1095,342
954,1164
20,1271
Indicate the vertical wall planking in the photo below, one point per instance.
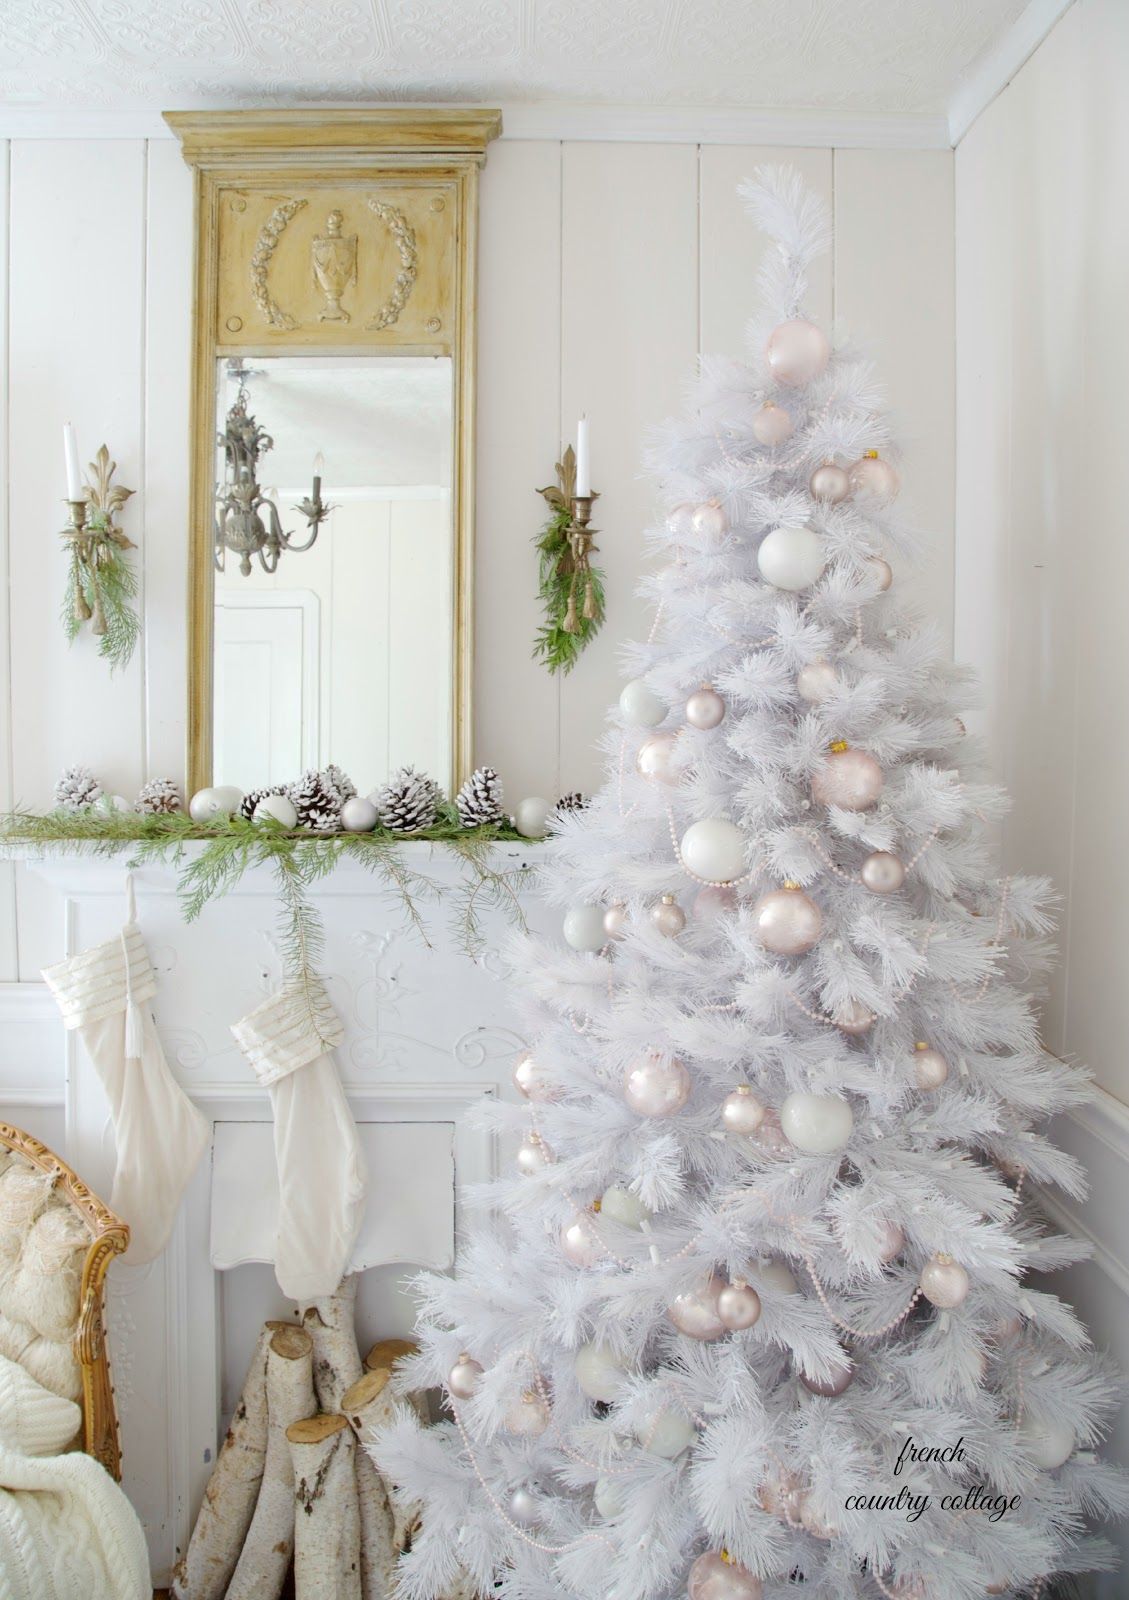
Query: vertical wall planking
9,948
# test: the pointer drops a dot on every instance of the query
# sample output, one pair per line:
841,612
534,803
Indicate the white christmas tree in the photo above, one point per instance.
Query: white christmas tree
770,1216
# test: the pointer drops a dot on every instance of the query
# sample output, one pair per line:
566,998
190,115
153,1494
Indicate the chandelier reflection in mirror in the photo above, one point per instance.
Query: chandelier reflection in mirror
247,519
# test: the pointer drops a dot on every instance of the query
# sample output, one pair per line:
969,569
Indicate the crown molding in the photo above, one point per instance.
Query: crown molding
991,73
291,136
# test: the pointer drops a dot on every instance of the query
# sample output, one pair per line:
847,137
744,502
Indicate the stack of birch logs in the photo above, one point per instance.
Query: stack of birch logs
293,1484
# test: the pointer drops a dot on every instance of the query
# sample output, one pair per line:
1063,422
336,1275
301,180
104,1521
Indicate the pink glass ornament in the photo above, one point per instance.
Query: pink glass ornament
838,1383
738,1305
782,1496
881,571
710,521
930,1069
816,682
705,708
531,1080
830,483
891,1242
741,1111
715,900
529,1416
578,1241
717,1576
882,873
668,917
874,479
849,778
533,1154
656,1085
680,520
772,425
998,1588
615,920
462,1380
944,1282
771,1136
656,757
815,1523
853,1018
788,922
696,1313
797,352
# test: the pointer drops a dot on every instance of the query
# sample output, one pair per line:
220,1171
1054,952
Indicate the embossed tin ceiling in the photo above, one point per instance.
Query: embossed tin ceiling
872,56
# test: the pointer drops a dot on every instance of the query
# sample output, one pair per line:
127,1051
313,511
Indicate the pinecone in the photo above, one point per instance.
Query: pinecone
479,801
250,801
160,796
572,802
341,781
408,802
317,803
77,789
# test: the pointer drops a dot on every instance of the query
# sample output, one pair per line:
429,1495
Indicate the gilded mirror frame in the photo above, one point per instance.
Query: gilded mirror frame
256,170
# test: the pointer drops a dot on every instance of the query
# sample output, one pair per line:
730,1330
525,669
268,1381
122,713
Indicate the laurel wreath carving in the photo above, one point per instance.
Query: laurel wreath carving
269,235
404,235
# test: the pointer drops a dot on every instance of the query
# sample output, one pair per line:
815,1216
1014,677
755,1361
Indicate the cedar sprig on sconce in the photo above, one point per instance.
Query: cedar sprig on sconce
571,588
101,580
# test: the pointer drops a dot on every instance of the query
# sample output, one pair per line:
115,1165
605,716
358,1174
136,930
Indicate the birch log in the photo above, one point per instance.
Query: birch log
337,1361
327,1534
265,1558
367,1404
386,1353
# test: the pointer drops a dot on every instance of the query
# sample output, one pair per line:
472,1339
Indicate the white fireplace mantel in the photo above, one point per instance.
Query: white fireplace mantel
427,1031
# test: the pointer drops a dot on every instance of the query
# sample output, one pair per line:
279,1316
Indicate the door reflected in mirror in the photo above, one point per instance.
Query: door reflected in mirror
334,580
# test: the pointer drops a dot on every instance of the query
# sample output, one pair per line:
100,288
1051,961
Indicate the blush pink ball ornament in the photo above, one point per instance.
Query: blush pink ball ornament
830,484
771,1136
739,1305
772,425
836,1384
883,873
615,921
881,571
930,1069
853,1018
529,1416
716,900
797,352
891,1242
680,520
814,1521
532,1081
713,850
656,1085
787,921
791,557
741,1112
709,520
533,1154
874,479
849,778
668,917
696,1313
816,682
705,708
944,1282
578,1241
717,1576
655,759
463,1378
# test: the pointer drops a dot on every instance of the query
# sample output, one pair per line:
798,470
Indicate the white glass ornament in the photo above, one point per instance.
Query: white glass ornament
532,1154
599,1371
615,921
622,1206
772,425
705,708
463,1378
787,921
679,520
797,352
114,802
817,682
836,1383
531,816
791,557
716,900
665,1433
944,1282
358,815
529,1416
883,873
583,928
853,1018
891,1241
710,521
640,705
695,1313
280,808
579,1243
532,1081
777,1276
717,1576
655,759
830,484
881,571
817,1123
741,1111
656,1085
524,1507
849,778
874,479
608,1498
1048,1443
223,800
930,1069
668,917
713,849
738,1305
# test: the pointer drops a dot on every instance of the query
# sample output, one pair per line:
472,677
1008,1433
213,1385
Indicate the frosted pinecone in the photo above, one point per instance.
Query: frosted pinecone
317,802
479,801
250,801
569,803
341,781
77,789
160,797
408,802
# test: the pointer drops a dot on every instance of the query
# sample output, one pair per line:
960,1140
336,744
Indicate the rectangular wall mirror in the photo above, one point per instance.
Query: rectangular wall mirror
333,443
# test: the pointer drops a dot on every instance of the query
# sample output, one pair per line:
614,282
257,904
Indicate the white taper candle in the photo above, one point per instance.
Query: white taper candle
583,464
70,454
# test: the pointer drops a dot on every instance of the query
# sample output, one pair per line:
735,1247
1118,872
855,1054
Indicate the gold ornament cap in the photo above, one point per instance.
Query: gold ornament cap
838,746
870,455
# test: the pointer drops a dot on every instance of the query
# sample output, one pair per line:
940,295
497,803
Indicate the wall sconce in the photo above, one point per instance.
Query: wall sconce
571,588
101,582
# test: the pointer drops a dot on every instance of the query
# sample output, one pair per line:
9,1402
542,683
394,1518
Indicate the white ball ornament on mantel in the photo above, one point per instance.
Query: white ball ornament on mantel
818,1124
791,557
705,708
583,928
713,850
656,1085
281,809
665,1433
816,682
640,706
656,758
772,425
797,352
599,1371
223,800
1049,1444
358,815
531,816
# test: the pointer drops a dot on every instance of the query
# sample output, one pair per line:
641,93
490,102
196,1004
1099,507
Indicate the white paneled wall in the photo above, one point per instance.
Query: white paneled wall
605,268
